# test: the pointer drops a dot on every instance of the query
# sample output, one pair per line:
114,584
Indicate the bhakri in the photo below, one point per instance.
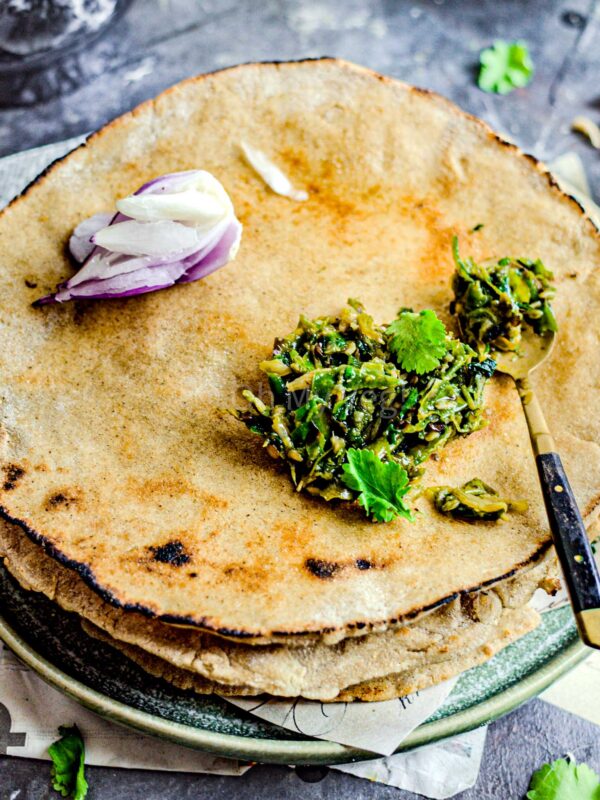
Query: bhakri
113,444
436,646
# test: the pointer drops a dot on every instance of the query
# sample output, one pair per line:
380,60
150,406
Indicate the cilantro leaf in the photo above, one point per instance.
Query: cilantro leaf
418,340
382,485
564,780
504,67
67,772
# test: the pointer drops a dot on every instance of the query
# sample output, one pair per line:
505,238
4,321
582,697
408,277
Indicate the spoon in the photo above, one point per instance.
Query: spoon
568,531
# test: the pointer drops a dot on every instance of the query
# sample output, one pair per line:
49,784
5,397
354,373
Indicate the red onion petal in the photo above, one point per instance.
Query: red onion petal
220,255
188,206
104,264
162,239
80,243
147,279
167,183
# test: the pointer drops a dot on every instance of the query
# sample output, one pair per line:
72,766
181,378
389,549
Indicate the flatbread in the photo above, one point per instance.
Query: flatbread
111,439
514,624
439,644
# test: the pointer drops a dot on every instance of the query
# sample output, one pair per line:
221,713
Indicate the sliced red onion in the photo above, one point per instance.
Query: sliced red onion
177,228
151,278
271,174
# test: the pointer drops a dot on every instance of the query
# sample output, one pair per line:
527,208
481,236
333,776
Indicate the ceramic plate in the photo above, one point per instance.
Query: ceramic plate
52,643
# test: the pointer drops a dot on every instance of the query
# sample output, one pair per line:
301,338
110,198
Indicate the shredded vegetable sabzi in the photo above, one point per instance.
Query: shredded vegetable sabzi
474,500
339,389
493,302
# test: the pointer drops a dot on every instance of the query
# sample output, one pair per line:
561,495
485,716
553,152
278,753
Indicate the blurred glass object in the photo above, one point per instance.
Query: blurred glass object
41,45
31,27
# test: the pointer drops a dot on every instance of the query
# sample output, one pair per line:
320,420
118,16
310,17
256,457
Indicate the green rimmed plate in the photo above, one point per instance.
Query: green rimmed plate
51,642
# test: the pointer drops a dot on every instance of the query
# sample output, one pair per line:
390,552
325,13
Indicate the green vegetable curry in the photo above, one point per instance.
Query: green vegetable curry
494,302
357,407
474,500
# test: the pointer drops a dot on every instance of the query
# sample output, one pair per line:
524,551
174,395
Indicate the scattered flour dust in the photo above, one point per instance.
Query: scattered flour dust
311,18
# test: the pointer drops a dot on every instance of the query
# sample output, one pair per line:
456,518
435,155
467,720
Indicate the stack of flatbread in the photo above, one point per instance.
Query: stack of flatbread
132,500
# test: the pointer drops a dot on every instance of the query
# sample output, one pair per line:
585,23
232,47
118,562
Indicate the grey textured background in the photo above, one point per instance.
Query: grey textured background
431,43
516,746
434,44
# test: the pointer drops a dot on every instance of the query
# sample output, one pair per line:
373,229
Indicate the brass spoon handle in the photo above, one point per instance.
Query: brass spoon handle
568,531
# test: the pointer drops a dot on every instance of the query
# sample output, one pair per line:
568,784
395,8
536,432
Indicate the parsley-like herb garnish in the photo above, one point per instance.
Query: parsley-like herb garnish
68,756
417,340
504,67
382,485
564,780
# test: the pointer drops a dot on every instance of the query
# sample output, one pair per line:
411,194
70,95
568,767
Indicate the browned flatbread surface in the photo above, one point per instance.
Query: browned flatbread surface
112,443
377,666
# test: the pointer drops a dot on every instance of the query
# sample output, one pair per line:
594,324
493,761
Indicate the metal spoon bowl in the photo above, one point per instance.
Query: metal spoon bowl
534,350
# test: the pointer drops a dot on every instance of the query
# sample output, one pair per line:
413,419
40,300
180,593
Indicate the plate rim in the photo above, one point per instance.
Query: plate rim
282,751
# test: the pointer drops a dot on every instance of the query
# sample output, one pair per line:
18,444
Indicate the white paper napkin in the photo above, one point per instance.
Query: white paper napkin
437,771
31,712
378,727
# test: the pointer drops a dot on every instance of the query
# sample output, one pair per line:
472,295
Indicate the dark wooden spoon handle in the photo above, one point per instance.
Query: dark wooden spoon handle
572,546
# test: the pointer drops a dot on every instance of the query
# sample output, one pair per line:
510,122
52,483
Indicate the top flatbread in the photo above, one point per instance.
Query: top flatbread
112,444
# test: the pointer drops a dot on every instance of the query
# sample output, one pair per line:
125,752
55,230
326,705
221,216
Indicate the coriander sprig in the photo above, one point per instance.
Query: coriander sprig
504,67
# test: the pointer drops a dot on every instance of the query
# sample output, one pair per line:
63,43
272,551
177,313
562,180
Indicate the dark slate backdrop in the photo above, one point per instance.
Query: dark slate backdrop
434,44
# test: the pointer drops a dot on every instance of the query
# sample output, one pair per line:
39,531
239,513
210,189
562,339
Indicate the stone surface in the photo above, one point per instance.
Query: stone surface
434,44
431,43
516,746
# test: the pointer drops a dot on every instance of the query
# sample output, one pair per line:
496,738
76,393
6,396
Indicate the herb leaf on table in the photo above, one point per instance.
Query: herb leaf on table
68,757
504,67
564,779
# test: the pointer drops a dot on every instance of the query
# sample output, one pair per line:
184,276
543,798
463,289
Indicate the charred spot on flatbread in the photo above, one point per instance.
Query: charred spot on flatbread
12,475
63,499
172,553
321,568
